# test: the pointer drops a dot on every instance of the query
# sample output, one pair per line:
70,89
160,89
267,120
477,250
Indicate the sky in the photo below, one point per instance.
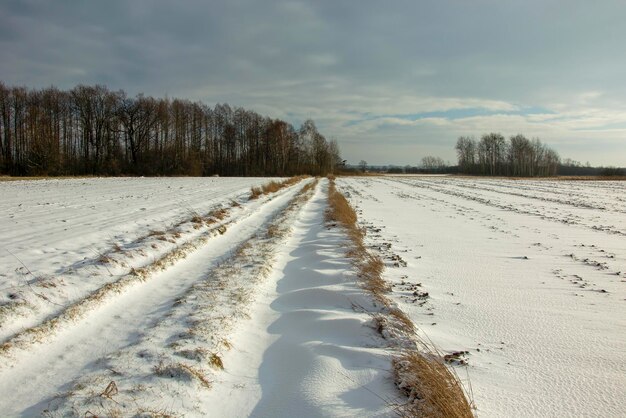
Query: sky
391,81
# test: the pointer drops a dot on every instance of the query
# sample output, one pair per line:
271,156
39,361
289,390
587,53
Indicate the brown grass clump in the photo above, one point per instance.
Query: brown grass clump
104,259
216,361
370,266
339,209
255,192
274,231
433,390
273,187
182,371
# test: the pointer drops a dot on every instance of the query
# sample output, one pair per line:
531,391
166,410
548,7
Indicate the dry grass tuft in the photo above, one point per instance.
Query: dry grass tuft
182,371
219,214
273,231
198,354
339,209
433,390
273,187
401,319
255,192
216,361
226,344
154,413
370,266
110,390
104,259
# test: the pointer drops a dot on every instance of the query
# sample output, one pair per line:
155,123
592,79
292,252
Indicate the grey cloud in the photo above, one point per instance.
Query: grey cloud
335,61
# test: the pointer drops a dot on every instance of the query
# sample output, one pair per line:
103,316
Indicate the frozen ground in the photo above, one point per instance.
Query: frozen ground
246,311
183,297
524,280
53,232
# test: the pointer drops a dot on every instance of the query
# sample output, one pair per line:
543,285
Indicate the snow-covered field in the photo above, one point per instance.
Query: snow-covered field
54,232
182,297
527,277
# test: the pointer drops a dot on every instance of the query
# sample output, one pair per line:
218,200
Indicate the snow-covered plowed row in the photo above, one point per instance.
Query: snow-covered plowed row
267,319
42,359
603,195
569,210
64,239
523,289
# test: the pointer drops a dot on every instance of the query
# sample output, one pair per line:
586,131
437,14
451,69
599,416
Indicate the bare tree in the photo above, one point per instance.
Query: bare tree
494,156
93,130
431,163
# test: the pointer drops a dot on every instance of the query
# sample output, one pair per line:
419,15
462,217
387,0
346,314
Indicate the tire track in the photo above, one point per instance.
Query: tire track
41,360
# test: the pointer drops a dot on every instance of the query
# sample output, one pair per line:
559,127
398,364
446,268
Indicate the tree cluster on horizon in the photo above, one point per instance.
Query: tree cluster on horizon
90,130
494,156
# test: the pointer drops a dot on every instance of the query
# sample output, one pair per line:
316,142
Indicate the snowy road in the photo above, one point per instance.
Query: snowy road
308,353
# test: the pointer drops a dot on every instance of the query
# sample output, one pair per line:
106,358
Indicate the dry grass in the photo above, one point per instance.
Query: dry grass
182,371
273,187
370,266
104,259
273,231
154,413
432,388
255,192
216,361
197,354
219,214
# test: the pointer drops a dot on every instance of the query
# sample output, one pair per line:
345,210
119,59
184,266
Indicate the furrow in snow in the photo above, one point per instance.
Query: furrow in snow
529,307
64,239
118,321
310,348
91,281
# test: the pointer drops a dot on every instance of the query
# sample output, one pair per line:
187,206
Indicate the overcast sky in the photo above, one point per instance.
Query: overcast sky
392,81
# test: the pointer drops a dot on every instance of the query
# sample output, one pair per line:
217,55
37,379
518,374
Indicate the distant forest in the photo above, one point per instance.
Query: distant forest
494,156
91,130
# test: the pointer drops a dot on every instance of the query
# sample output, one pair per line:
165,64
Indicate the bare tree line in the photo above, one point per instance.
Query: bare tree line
494,156
92,130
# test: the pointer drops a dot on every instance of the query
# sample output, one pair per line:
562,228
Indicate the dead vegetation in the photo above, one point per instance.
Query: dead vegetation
433,390
273,187
369,266
182,371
